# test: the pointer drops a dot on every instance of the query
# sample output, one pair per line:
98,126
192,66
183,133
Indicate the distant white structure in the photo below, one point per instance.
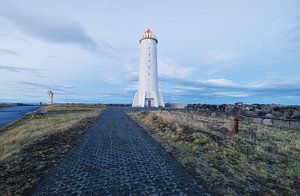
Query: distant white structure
50,97
147,94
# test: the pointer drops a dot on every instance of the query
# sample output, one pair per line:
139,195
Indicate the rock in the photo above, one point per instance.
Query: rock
249,113
230,117
267,122
246,119
229,108
222,107
260,113
257,106
295,115
281,123
287,113
222,115
267,108
276,114
257,120
256,113
268,115
213,114
279,109
294,125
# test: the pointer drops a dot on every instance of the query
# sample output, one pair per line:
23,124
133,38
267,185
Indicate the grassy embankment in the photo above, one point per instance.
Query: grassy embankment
4,105
29,147
259,160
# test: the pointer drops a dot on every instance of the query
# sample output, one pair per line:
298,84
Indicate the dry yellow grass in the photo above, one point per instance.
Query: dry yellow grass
259,160
30,130
3,105
31,146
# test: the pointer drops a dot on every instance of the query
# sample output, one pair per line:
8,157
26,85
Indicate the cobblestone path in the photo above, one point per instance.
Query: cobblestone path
117,157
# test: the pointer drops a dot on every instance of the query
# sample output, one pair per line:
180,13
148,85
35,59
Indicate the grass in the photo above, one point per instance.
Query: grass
40,141
4,105
259,160
30,130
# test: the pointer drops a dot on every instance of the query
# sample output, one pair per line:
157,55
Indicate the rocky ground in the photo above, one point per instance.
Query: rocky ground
267,114
32,145
272,111
258,160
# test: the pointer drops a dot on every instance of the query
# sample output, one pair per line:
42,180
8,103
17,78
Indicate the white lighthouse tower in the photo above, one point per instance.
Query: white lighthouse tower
147,94
50,97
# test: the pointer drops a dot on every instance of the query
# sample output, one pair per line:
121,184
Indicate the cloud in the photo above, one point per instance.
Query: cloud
51,29
23,91
10,52
222,88
132,88
178,83
211,70
294,32
210,83
131,72
220,56
19,69
167,68
111,79
292,27
58,89
170,68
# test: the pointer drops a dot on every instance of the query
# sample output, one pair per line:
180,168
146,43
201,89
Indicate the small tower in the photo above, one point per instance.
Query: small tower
147,94
50,97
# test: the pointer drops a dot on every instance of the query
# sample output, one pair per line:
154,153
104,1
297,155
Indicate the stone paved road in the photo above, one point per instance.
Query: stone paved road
117,157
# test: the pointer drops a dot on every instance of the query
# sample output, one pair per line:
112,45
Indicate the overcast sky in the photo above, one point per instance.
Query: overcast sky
212,51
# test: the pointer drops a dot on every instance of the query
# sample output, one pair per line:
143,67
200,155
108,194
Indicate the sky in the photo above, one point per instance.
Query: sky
209,51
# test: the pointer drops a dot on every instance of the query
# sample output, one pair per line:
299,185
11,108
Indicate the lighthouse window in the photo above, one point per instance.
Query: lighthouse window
149,67
149,48
149,74
149,54
149,60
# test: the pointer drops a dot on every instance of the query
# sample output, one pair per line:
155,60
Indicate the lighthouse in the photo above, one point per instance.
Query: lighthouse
147,94
50,97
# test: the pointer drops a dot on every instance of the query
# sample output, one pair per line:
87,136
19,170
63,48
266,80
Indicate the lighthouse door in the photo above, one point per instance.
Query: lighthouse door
148,102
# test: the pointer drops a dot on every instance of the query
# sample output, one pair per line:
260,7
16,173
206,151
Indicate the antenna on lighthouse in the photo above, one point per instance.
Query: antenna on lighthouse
147,94
50,97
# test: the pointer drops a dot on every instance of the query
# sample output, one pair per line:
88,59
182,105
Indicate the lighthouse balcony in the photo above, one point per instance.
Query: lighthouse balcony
145,37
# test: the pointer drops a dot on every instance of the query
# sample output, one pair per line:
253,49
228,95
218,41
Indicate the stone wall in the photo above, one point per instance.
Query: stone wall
271,114
197,120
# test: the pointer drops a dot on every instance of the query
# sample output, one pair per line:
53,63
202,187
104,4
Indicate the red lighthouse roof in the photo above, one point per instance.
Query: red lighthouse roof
148,35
